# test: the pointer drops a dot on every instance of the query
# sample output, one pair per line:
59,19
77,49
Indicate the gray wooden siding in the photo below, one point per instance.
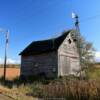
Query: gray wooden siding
68,58
43,63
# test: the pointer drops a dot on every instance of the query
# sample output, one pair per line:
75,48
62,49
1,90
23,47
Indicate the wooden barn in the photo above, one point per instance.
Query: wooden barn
52,58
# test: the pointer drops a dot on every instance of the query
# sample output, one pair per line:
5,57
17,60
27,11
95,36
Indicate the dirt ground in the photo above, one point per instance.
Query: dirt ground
11,73
13,94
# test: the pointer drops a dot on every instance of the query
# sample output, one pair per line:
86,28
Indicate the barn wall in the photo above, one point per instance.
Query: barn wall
68,57
39,64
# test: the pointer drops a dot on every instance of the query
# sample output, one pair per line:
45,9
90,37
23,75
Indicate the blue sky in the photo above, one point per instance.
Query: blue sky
31,20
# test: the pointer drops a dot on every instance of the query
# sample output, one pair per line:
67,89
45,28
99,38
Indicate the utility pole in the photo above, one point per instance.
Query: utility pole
5,55
5,63
77,36
5,59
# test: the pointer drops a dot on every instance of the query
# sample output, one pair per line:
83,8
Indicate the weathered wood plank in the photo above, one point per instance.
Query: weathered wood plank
43,63
68,62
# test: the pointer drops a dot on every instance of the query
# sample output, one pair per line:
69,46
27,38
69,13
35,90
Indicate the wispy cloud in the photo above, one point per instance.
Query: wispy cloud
17,61
10,61
97,56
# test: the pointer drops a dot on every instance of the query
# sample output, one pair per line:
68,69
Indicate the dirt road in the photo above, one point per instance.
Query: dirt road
5,97
13,94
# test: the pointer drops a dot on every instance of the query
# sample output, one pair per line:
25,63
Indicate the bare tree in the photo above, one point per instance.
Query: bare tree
87,52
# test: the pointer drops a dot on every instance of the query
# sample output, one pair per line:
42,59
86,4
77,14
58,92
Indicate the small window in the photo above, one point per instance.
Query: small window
74,39
69,41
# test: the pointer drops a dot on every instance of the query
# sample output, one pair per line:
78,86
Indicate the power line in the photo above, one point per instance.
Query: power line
89,18
84,20
53,4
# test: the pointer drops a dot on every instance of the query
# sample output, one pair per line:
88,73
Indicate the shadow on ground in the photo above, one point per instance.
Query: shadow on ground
16,82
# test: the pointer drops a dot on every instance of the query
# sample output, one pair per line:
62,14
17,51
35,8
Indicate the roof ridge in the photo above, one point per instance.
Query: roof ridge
44,45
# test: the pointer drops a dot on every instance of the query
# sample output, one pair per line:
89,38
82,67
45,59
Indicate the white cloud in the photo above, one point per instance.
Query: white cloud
97,56
13,61
10,61
17,61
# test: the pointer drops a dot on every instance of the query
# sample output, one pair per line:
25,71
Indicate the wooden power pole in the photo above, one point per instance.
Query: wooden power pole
6,45
5,59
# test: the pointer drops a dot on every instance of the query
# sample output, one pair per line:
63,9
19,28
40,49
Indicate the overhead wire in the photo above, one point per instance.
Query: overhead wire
89,18
83,20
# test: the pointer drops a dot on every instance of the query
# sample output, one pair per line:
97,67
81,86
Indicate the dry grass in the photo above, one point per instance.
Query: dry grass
61,88
72,90
10,65
15,94
93,73
11,73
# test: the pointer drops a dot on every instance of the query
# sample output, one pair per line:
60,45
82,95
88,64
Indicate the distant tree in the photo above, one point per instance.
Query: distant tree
87,52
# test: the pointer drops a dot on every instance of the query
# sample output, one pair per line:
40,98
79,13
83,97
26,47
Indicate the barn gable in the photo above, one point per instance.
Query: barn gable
68,57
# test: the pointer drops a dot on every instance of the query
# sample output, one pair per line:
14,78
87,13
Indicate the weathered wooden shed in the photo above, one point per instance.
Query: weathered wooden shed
52,58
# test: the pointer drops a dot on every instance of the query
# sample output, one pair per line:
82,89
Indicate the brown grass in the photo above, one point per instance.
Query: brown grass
11,73
73,90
